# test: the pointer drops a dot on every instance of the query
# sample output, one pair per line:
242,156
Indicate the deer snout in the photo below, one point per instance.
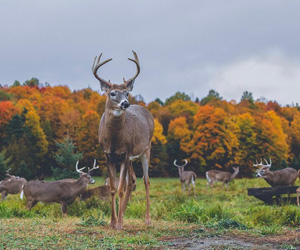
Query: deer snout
124,104
258,175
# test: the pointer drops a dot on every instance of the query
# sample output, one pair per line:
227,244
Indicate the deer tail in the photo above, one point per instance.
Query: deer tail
22,193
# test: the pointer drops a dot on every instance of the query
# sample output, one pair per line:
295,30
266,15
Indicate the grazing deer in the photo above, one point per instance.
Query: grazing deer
217,175
125,133
62,191
282,177
101,192
11,185
186,177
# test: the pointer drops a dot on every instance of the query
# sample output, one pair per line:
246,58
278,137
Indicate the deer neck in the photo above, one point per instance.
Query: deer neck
234,175
180,173
80,185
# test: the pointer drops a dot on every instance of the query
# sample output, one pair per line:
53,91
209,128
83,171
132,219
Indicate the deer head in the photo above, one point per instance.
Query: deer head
92,181
117,94
263,168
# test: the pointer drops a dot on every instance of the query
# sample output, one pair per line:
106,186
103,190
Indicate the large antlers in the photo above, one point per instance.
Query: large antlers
130,81
96,65
186,162
79,170
94,167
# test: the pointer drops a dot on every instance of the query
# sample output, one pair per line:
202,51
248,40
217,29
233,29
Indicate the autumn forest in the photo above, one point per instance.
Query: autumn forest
211,133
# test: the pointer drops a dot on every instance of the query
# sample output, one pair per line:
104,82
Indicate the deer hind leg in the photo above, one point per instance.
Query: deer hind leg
145,163
194,186
63,208
30,204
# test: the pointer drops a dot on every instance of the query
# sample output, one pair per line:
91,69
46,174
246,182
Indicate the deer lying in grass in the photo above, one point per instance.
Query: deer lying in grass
282,177
101,192
186,177
217,175
11,185
62,191
125,133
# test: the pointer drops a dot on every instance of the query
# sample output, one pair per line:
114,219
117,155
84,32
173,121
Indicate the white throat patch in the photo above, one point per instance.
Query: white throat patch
117,112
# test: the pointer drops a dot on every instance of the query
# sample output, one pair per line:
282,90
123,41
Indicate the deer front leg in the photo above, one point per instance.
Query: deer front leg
121,188
128,191
145,161
112,177
3,195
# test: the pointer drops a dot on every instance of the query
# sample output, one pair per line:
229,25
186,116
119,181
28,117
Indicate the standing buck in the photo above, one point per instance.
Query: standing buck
125,133
217,175
186,177
282,177
11,185
62,191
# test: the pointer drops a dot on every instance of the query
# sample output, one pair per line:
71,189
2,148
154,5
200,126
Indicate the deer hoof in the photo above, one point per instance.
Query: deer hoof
119,227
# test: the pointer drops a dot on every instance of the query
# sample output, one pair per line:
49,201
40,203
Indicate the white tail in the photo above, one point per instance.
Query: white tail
22,193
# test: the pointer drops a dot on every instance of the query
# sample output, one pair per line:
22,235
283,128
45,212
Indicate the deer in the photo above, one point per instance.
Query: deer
62,191
186,177
218,175
11,185
125,133
101,192
282,177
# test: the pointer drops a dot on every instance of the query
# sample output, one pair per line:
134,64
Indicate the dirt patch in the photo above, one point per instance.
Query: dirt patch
237,242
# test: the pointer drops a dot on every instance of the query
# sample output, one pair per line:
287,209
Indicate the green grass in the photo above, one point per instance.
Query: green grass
174,214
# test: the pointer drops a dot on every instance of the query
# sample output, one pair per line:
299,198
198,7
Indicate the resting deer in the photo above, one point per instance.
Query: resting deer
62,191
11,185
217,175
186,177
125,133
282,177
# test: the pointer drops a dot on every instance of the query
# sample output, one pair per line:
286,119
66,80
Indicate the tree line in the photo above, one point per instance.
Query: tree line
45,129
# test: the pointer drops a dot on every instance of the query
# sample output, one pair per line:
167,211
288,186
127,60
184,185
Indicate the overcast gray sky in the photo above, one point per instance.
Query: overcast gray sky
191,46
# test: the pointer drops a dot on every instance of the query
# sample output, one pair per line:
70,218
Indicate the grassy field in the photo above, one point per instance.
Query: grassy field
176,218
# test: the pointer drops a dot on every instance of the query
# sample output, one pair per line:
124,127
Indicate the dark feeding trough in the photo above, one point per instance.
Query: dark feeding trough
274,195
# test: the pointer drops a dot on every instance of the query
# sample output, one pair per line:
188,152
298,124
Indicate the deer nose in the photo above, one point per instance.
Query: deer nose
124,104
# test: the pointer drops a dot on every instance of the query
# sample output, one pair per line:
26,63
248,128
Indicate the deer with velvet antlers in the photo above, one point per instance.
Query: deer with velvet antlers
186,177
125,133
282,177
61,191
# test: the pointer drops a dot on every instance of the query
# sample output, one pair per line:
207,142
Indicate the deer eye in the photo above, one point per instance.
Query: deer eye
112,94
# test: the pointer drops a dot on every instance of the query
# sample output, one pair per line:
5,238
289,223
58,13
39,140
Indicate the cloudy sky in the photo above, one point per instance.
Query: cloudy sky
191,46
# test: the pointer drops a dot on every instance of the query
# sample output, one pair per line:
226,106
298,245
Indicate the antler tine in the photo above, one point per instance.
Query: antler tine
97,65
270,161
94,167
186,162
137,63
175,163
79,170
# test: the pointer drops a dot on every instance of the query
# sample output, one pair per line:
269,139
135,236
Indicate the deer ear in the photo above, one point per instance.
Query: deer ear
104,87
129,85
